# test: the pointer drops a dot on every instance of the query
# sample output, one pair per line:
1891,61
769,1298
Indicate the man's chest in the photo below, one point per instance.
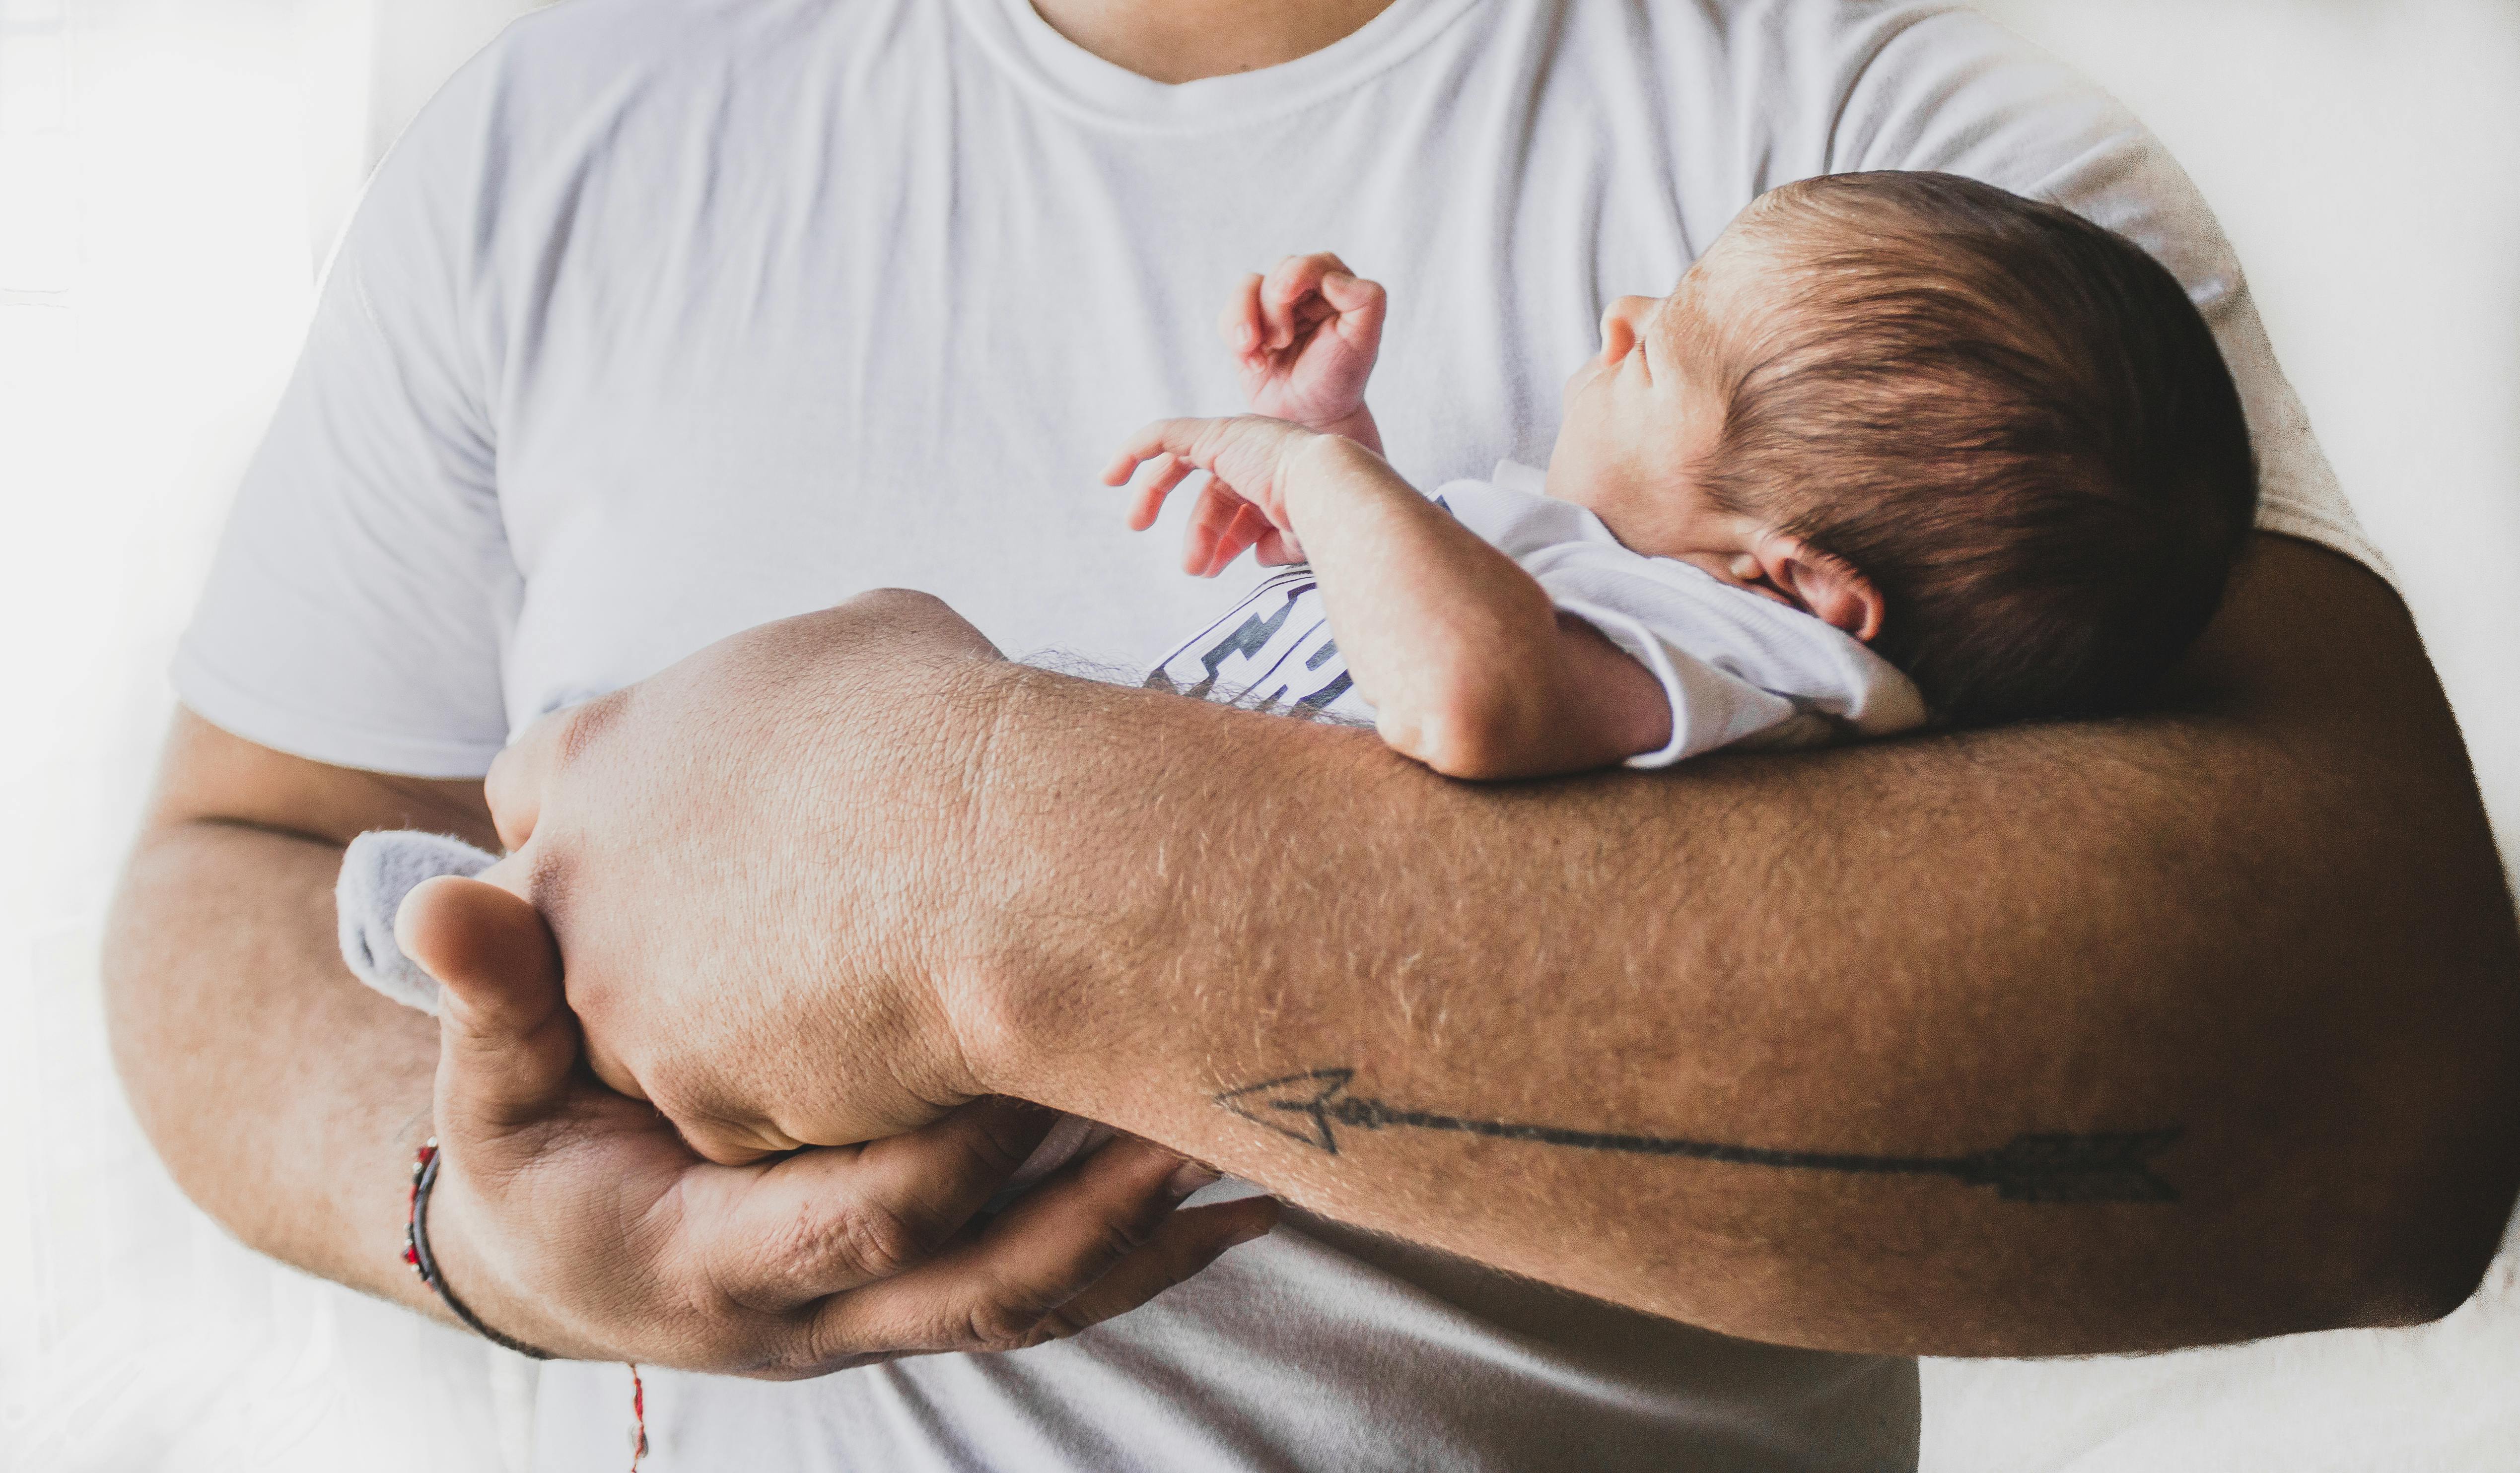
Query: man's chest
658,500
769,374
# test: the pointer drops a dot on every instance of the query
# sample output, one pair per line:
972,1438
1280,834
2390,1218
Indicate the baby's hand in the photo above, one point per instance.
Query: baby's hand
1243,504
1304,339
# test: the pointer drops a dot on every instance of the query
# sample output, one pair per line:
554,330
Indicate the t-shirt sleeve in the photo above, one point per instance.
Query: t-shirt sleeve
361,597
1945,89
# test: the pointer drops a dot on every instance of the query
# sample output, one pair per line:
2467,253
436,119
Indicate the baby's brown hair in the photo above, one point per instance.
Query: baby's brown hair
2011,420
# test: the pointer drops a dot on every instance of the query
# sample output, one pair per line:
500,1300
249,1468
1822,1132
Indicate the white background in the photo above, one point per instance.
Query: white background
169,172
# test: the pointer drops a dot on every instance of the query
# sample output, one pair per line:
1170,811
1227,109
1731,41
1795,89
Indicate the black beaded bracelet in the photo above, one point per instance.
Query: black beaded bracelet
415,1252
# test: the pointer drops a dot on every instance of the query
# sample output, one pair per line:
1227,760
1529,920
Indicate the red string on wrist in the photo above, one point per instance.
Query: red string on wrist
415,1252
638,1419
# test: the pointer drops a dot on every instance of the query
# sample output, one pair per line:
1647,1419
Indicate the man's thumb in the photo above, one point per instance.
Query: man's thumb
508,1042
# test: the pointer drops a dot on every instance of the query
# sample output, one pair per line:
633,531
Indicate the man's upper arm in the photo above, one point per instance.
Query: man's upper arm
210,776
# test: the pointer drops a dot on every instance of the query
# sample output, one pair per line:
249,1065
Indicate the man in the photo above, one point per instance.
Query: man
672,318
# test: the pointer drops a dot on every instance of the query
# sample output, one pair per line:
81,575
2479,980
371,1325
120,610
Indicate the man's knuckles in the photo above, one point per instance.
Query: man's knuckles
522,776
830,1246
993,1325
988,1139
717,1138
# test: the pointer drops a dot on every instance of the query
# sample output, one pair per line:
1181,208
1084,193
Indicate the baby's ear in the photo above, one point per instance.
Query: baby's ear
1833,590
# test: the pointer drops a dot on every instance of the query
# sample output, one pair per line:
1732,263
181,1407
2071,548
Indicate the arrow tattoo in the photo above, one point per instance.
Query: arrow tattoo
2107,1167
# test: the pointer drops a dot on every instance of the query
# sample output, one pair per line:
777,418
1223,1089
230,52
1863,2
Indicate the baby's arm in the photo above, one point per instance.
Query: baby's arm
1470,666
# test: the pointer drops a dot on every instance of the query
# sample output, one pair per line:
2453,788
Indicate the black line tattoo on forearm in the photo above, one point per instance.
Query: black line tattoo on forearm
2106,1166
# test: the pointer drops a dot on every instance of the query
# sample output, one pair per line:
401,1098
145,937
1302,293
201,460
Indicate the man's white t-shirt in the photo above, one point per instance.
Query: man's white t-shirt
1737,669
669,317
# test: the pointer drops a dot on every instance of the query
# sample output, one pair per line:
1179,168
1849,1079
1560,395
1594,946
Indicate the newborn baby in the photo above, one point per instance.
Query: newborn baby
1897,444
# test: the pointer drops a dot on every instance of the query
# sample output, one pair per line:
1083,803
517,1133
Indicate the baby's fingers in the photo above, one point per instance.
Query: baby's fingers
1210,521
1178,437
1290,283
1277,548
1245,530
1360,303
1239,324
1170,471
1175,438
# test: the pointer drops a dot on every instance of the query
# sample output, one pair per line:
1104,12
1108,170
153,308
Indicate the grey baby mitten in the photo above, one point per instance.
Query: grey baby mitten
377,872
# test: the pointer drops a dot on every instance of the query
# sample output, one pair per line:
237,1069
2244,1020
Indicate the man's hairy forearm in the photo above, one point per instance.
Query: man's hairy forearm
286,1099
2077,1037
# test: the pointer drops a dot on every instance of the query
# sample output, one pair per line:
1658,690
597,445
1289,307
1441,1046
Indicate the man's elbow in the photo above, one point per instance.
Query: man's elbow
2419,1221
2356,1252
2441,1247
2416,1293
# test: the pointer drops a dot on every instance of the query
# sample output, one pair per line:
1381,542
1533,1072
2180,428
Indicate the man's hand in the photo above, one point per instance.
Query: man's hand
1305,338
575,1220
762,929
1252,464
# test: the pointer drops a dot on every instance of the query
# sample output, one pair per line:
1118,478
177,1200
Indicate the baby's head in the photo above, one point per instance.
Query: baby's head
1984,434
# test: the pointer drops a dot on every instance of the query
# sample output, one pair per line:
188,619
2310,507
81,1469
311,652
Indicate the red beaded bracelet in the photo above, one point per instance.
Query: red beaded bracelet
415,1252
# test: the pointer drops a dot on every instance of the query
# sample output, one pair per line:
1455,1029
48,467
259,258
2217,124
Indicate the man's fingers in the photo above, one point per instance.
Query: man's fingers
521,775
1187,1242
519,778
825,1221
514,874
508,1042
1006,1285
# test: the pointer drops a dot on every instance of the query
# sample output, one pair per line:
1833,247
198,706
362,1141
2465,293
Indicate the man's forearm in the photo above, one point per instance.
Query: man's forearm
1820,1049
286,1099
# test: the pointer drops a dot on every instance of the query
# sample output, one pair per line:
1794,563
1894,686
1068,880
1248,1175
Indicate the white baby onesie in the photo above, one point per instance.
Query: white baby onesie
1739,669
